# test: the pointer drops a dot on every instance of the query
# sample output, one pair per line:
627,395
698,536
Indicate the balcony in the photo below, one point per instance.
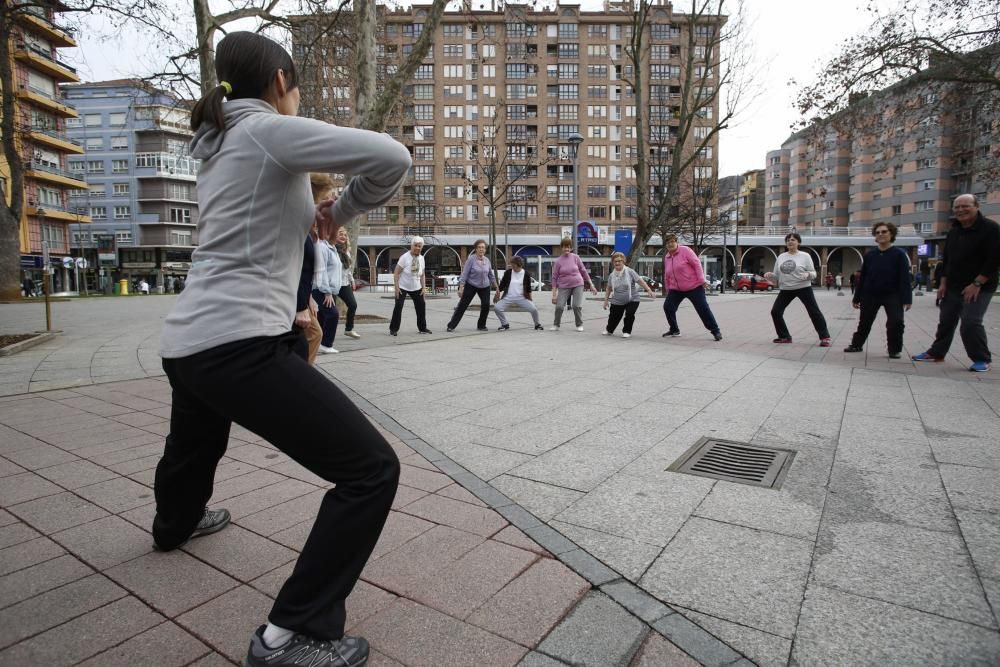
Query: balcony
41,25
45,100
57,140
44,172
37,58
166,165
56,212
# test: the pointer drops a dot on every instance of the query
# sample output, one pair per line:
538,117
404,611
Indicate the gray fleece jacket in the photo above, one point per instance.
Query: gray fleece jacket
256,208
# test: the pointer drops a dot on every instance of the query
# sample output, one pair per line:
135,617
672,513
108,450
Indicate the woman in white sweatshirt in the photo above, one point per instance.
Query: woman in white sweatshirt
228,347
793,275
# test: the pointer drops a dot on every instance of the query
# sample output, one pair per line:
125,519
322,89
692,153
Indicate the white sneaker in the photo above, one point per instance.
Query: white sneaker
625,335
352,334
605,333
327,350
579,328
553,328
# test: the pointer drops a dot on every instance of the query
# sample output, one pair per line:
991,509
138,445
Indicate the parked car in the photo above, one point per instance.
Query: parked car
537,285
653,283
741,282
714,283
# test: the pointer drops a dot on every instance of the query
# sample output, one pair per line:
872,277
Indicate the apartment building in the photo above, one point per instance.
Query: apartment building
140,180
40,119
520,85
915,147
750,202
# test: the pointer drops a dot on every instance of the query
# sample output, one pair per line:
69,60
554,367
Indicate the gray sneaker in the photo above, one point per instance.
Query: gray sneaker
301,650
212,521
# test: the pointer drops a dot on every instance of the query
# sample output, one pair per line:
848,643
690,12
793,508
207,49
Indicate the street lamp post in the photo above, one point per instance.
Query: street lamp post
506,237
575,139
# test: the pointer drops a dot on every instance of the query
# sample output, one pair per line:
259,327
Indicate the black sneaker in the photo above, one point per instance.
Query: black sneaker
449,329
895,355
671,334
481,329
393,333
302,650
717,335
503,327
539,327
854,348
425,331
212,521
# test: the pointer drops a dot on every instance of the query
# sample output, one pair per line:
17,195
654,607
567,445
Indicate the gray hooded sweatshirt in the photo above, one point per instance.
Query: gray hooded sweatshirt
256,207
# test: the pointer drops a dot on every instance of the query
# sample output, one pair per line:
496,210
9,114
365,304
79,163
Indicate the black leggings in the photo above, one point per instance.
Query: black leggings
262,385
468,291
346,295
808,299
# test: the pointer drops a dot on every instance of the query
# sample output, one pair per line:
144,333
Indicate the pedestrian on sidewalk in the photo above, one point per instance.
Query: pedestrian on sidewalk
793,275
683,278
829,281
838,281
884,283
623,294
476,279
569,276
327,274
409,280
346,292
970,262
515,290
228,348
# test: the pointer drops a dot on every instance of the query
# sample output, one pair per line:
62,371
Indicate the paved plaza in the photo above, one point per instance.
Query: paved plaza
536,523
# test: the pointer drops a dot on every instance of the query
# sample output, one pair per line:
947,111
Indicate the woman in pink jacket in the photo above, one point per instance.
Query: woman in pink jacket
684,278
569,275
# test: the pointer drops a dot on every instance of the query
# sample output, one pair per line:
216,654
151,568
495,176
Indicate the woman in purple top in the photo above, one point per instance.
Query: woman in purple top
569,275
476,279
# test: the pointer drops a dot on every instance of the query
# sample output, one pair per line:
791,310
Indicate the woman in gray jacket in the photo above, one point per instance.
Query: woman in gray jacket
228,345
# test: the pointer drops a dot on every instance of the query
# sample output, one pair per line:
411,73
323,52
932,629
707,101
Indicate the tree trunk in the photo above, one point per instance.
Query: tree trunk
10,215
205,30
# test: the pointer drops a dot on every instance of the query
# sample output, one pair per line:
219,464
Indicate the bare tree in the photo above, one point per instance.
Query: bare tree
944,41
688,103
500,158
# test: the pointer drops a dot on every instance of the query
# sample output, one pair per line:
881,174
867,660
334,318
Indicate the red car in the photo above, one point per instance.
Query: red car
741,282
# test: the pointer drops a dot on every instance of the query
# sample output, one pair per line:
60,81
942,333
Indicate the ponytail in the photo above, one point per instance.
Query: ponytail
209,109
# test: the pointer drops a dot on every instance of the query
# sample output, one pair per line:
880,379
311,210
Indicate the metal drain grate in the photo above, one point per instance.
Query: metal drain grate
734,461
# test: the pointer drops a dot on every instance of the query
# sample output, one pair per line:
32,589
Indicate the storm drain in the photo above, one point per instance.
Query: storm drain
734,461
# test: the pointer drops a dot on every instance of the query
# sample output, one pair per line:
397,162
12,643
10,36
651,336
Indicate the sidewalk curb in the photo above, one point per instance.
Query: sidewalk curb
40,338
660,617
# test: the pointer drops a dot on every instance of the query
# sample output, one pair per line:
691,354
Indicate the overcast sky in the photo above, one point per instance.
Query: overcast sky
792,38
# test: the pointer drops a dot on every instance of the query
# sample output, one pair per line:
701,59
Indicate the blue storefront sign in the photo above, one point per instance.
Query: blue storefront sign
623,240
31,261
586,233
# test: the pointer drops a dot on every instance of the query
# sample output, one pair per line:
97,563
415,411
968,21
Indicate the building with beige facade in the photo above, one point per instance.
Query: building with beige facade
40,116
523,83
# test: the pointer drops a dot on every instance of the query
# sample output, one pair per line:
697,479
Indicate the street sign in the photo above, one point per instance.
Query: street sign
46,261
586,233
81,263
68,262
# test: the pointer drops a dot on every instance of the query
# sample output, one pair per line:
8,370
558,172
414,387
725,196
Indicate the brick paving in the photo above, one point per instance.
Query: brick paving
451,581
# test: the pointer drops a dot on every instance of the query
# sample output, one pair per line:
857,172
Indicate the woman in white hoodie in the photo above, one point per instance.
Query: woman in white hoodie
228,347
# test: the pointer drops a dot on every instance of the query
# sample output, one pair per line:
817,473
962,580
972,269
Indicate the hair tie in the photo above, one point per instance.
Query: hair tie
225,86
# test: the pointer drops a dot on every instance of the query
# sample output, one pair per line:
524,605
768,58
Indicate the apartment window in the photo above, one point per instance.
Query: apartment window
597,172
181,215
569,50
454,152
123,237
95,143
453,51
116,119
178,237
897,210
453,29
119,166
454,91
95,166
597,211
423,153
927,205
599,30
568,30
926,163
423,133
664,31
454,132
97,191
928,184
423,172
569,71
597,111
423,112
597,92
74,122
452,191
122,212
424,72
423,91
597,131
703,132
453,111
569,91
897,189
704,31
701,173
99,212
517,70
120,189
597,50
597,191
119,143
92,120
597,151
454,71
454,171
568,111
77,166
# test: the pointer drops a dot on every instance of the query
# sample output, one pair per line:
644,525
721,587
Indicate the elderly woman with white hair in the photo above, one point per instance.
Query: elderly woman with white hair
623,294
409,280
